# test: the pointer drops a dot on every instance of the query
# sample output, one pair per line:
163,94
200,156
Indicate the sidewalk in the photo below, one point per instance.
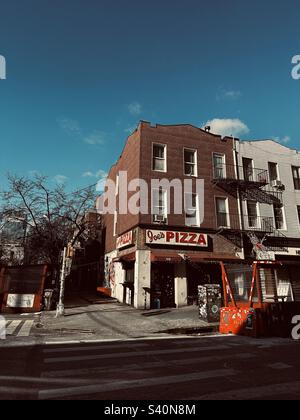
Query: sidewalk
112,320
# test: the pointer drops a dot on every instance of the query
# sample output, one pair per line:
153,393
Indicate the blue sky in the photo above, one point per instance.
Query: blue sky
81,73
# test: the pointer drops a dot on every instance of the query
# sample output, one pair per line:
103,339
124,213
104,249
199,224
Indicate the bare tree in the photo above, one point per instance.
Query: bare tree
54,218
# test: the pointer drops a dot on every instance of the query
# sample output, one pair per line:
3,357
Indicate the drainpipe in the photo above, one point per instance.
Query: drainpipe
240,202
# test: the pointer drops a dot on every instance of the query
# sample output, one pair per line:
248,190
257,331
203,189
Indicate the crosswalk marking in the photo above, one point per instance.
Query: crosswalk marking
203,368
131,354
12,327
120,385
19,328
25,329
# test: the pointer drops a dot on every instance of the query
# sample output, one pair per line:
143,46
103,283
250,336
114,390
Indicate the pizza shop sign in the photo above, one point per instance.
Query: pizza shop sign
125,240
173,238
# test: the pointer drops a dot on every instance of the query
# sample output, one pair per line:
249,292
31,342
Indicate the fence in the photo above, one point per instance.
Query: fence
22,288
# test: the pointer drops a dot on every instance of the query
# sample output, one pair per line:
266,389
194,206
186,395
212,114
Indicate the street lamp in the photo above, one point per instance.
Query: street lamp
60,310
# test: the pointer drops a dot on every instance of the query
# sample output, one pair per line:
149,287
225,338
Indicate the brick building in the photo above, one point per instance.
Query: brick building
163,256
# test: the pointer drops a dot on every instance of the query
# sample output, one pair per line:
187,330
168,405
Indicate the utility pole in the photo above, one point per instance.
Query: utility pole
60,311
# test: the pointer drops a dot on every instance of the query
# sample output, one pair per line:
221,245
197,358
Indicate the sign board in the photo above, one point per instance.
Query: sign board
265,256
20,301
125,240
175,238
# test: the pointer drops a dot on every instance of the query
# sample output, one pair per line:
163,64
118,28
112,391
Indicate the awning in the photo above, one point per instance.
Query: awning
125,258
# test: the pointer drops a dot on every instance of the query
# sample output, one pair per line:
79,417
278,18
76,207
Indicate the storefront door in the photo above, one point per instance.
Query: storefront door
162,286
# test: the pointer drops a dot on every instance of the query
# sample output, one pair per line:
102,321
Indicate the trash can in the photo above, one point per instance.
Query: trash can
49,295
157,303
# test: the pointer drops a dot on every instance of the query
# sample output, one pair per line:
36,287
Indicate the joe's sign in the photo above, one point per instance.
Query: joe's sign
156,237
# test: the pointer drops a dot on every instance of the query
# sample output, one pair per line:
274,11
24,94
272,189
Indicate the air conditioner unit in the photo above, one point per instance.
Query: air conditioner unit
277,184
159,218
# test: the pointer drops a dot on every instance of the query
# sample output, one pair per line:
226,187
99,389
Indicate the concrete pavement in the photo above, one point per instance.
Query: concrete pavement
105,320
154,369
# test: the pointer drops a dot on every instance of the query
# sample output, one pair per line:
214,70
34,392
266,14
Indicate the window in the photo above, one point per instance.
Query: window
252,210
248,169
222,212
159,158
279,217
191,210
190,162
219,166
298,210
273,172
159,204
296,176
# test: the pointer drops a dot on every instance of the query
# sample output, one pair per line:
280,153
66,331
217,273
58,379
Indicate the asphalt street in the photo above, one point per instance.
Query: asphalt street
213,368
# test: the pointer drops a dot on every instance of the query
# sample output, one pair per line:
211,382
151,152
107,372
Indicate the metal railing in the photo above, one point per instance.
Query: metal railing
224,172
245,223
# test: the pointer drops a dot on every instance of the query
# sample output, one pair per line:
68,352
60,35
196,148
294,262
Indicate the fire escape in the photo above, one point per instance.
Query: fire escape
250,184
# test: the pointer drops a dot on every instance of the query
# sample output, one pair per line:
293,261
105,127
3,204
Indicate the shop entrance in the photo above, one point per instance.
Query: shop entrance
128,285
199,275
162,286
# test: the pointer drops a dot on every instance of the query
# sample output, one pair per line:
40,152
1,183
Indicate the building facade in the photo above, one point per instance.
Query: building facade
275,210
158,259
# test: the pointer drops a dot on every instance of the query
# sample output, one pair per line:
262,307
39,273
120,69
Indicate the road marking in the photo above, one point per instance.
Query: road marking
120,385
91,349
135,339
44,380
280,366
11,391
133,354
261,392
12,327
142,366
26,328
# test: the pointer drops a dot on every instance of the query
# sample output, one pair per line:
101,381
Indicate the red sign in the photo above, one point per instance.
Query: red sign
156,237
125,240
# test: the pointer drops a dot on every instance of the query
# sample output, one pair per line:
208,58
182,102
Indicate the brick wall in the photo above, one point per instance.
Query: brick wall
176,138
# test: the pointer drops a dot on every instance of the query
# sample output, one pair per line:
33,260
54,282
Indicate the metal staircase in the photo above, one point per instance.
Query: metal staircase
263,247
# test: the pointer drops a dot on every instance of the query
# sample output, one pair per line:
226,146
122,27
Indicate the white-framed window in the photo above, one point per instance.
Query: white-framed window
159,161
219,162
191,206
222,209
159,204
190,162
248,169
296,177
253,215
279,215
298,212
273,172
